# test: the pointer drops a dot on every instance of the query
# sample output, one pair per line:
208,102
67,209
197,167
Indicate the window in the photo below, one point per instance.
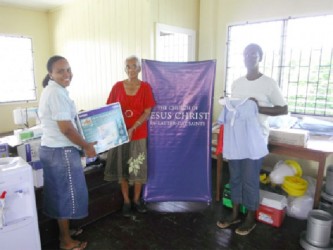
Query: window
174,43
298,54
16,69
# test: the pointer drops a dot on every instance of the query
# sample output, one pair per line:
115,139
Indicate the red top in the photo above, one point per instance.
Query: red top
133,106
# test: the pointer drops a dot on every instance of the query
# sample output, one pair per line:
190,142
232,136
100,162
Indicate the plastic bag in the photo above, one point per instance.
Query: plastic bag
281,170
299,207
311,185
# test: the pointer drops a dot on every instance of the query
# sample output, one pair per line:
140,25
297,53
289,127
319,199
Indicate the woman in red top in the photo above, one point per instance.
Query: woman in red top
128,163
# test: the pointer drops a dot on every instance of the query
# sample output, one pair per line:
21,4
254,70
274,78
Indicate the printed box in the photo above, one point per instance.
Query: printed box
37,173
105,125
4,152
29,150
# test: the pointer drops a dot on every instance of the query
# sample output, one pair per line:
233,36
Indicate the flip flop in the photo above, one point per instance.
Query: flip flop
80,246
245,230
227,223
76,232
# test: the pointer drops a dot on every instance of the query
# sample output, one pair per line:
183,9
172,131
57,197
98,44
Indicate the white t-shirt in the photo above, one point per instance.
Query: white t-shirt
55,105
265,90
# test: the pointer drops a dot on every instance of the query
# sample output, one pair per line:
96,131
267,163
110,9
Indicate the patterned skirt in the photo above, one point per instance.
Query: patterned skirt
127,161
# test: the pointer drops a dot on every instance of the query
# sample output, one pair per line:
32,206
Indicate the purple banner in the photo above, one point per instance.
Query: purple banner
179,142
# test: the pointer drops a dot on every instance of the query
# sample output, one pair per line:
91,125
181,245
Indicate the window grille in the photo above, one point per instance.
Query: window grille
174,44
298,54
16,69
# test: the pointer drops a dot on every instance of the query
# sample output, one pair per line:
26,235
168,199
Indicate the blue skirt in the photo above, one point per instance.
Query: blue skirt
65,190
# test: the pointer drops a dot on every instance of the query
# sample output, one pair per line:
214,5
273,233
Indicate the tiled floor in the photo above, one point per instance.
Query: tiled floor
185,225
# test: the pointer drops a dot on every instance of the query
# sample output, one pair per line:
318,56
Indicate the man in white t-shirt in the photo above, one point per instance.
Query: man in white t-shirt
260,87
244,173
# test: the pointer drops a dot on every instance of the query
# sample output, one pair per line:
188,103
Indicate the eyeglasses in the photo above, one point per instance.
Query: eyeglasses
133,66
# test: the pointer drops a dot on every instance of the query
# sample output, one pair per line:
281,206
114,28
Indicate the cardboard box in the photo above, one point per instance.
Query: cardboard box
29,150
297,137
270,216
4,151
37,173
105,125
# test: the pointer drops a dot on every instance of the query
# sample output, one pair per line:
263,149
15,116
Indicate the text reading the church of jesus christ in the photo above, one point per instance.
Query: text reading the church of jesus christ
178,115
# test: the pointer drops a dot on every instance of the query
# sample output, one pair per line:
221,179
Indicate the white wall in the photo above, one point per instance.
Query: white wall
97,35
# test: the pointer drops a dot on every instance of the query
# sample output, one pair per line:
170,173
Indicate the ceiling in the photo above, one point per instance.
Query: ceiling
42,5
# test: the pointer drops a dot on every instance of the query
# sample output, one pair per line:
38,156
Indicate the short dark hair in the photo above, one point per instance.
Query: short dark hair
256,47
49,67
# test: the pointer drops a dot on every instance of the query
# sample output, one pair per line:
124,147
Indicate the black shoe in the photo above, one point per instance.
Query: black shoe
140,207
126,210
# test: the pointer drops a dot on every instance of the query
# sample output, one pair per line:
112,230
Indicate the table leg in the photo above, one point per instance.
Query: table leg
219,166
319,183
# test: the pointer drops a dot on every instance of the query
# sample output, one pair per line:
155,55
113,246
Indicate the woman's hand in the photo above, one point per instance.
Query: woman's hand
130,133
255,100
89,149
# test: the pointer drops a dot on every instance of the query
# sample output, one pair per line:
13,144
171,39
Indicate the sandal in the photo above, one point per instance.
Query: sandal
227,223
245,229
80,246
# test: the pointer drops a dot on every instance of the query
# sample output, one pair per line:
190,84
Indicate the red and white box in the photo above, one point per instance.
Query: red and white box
270,216
272,208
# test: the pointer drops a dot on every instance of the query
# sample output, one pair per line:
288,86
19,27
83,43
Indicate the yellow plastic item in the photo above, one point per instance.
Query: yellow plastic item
294,185
295,182
295,165
264,179
293,192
